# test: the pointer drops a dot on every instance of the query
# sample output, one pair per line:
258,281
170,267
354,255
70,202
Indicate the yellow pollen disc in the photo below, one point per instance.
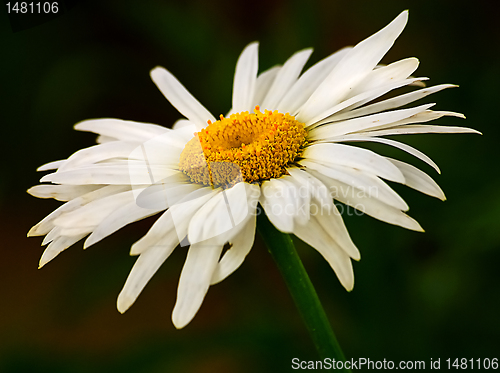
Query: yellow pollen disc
244,147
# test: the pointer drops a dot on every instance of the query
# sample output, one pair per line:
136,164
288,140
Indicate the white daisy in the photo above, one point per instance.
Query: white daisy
280,146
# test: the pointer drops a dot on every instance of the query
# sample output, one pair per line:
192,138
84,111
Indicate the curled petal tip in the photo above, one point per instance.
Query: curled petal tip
122,305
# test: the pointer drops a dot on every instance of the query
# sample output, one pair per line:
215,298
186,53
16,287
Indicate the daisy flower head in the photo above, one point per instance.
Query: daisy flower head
286,148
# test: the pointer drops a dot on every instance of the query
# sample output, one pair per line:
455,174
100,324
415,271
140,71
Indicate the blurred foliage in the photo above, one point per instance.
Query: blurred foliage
417,296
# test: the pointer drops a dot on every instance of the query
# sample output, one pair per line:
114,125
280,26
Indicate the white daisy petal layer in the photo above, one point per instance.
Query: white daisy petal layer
315,188
362,202
57,246
94,212
264,82
325,211
98,153
421,117
46,225
395,71
217,218
308,82
353,68
117,219
350,156
370,184
285,78
352,103
405,147
177,219
391,103
327,132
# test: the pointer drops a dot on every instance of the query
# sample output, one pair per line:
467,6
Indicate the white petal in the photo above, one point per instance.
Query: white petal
104,139
315,188
286,77
111,174
288,200
179,136
195,279
371,206
76,231
181,123
391,103
234,257
180,98
419,180
56,247
331,113
176,219
308,82
364,181
277,199
47,223
153,153
354,157
94,212
125,130
301,194
395,71
153,150
422,117
413,129
120,217
61,192
245,78
163,194
97,153
315,236
407,148
326,213
53,234
411,81
333,224
262,85
144,268
353,68
162,228
51,165
215,219
328,131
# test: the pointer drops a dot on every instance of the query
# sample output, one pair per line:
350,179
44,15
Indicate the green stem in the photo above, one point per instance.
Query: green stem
282,250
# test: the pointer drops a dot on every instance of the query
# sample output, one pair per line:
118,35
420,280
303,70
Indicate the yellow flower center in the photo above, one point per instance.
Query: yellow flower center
244,147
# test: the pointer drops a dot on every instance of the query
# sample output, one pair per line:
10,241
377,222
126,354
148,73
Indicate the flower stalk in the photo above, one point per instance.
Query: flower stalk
306,299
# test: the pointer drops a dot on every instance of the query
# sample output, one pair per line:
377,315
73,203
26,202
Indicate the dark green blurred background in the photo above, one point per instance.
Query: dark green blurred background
417,295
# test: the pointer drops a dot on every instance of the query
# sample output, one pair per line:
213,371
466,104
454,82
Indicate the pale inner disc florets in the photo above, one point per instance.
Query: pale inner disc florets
244,147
